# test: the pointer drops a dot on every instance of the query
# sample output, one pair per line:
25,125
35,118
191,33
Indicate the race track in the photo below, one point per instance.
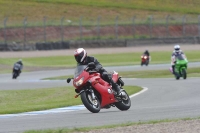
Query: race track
165,98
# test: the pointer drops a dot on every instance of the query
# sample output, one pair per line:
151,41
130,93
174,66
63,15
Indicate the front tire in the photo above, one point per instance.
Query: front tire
177,76
184,73
14,75
93,106
125,102
147,63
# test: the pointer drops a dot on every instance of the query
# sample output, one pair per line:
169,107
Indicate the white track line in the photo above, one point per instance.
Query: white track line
144,89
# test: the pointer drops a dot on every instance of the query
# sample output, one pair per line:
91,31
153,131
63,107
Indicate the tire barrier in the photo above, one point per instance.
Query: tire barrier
52,45
3,47
163,41
98,43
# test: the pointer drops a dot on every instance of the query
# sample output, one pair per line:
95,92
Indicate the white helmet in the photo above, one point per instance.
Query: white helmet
177,48
20,60
80,54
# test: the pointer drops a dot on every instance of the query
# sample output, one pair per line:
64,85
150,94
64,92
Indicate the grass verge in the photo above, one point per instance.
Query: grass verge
191,72
17,101
118,59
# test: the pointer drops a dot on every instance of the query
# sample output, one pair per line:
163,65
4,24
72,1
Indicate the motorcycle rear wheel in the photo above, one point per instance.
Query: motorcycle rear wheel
125,103
93,106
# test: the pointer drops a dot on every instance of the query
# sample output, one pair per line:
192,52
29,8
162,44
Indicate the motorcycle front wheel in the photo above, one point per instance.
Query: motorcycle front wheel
177,76
125,102
184,73
14,75
93,105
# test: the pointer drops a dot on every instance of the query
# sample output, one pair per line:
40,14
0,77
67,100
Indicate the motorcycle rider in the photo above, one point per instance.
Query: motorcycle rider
18,66
82,59
177,51
146,52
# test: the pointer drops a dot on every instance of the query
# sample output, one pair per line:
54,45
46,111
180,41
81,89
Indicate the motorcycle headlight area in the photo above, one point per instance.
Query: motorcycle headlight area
79,82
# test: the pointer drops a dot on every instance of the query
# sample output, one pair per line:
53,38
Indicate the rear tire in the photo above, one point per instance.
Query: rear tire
125,103
93,106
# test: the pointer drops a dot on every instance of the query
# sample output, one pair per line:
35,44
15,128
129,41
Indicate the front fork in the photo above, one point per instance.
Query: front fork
90,90
92,93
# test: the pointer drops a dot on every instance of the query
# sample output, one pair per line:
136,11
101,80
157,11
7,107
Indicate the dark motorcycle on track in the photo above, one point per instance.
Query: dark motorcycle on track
144,60
96,93
15,74
16,71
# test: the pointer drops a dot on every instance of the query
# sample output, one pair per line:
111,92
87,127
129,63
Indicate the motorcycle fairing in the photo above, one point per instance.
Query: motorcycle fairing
181,63
105,90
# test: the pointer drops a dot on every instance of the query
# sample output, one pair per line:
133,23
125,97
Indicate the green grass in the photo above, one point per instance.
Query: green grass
153,5
119,59
16,101
87,129
105,59
58,78
54,10
191,72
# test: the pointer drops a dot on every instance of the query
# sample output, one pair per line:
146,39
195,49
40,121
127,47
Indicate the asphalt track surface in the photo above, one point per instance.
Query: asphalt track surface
164,98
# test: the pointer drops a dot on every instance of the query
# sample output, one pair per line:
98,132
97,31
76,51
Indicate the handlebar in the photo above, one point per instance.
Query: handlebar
92,71
88,69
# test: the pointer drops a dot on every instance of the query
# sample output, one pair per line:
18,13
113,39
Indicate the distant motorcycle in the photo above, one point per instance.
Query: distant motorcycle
95,92
144,60
15,74
16,71
180,67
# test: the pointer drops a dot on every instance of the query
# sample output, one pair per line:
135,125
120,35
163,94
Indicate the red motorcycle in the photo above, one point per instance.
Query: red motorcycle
144,60
95,92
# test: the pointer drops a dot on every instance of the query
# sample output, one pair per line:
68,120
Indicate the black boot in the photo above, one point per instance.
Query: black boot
108,78
116,87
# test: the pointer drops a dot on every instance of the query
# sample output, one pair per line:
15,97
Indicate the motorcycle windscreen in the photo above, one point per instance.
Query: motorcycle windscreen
79,69
181,60
180,57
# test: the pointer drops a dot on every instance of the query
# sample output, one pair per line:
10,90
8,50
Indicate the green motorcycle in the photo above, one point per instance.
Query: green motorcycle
180,67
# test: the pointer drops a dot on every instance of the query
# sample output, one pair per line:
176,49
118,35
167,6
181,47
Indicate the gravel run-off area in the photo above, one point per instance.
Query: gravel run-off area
182,126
